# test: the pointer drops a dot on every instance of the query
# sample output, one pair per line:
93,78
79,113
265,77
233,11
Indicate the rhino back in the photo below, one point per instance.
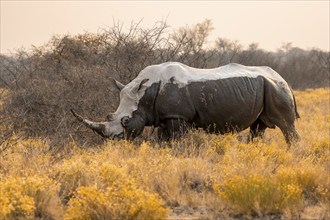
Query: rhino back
185,75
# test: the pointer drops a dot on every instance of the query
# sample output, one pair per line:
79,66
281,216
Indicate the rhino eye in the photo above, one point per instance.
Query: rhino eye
124,121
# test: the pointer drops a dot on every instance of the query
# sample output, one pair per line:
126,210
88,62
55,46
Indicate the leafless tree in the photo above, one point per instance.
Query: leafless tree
227,50
41,84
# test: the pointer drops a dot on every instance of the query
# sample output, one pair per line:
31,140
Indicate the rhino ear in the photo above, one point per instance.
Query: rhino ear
137,88
142,82
119,85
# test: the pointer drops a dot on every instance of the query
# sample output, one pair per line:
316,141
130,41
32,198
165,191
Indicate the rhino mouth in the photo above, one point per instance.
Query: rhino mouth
118,137
131,127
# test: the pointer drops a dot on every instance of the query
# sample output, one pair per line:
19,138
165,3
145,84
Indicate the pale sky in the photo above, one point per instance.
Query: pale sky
269,23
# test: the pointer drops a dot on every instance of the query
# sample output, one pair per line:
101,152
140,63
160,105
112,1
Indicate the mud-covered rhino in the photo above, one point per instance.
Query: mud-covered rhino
174,97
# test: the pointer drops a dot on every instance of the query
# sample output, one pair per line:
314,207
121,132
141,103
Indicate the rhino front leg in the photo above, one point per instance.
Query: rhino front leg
172,128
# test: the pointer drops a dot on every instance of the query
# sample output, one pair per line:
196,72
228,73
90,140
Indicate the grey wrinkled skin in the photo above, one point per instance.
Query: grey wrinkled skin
228,104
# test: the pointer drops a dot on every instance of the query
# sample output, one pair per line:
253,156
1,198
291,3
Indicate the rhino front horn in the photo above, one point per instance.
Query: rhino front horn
98,127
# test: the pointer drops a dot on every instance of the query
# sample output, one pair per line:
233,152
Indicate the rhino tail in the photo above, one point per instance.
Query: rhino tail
295,105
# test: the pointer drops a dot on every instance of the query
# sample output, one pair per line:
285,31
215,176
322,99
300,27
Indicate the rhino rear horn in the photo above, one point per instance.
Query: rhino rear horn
98,127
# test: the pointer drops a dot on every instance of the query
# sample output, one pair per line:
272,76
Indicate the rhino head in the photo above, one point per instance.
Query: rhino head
127,121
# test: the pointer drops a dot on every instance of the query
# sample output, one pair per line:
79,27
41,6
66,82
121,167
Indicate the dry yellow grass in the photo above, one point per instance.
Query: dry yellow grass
199,176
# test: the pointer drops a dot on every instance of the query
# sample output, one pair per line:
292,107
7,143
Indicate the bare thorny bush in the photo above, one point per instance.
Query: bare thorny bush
74,71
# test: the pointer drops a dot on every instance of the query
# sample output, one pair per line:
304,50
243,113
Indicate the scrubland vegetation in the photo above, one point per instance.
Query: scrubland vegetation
199,176
53,168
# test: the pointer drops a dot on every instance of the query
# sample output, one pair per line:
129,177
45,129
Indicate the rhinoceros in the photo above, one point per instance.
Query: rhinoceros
174,97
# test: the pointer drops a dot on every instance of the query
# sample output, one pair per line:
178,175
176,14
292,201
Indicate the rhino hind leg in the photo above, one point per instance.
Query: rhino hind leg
285,124
290,133
280,110
257,129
